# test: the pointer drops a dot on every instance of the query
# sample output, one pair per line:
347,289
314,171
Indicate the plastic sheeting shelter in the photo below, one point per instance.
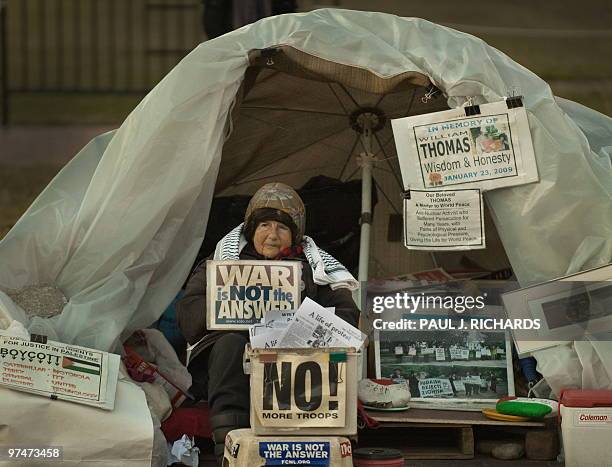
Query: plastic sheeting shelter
117,230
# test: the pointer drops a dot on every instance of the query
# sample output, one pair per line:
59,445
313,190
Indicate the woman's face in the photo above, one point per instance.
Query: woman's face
270,238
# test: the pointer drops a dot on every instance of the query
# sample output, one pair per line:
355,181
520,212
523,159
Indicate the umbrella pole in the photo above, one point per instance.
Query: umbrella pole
366,203
366,161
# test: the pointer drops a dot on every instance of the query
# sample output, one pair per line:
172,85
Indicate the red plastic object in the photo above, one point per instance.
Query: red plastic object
586,398
383,381
192,421
377,457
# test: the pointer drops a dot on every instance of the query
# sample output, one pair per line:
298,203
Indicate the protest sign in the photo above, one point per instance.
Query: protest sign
240,292
459,354
492,149
435,387
59,371
444,220
298,391
440,357
295,453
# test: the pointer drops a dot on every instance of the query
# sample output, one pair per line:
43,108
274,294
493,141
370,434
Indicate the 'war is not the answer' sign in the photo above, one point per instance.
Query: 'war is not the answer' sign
299,391
240,292
490,150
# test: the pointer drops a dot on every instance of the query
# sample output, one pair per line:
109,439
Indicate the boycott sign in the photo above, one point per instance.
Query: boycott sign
444,220
295,453
59,371
240,292
435,387
299,391
492,149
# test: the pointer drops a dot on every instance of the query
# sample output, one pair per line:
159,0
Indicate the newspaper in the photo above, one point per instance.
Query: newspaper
267,334
278,318
314,326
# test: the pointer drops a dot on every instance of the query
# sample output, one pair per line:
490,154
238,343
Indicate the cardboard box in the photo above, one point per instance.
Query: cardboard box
303,391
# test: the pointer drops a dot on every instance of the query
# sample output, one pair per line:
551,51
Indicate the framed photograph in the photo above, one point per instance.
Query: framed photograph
570,308
447,366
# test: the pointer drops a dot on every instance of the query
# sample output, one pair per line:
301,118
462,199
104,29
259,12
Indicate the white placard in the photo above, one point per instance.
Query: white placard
459,354
440,357
59,371
490,150
435,387
240,292
444,220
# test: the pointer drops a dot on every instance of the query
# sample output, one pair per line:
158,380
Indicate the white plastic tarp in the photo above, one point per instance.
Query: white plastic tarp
88,436
118,229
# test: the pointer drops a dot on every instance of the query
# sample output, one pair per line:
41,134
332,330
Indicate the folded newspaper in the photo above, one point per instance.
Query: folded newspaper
311,326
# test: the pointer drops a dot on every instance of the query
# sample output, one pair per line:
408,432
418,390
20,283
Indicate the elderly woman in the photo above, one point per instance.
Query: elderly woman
273,229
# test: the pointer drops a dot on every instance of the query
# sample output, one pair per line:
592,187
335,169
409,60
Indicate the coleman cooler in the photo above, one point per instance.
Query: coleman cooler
586,425
244,449
303,391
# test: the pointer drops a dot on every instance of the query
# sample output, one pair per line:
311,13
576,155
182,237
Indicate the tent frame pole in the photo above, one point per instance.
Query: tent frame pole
366,203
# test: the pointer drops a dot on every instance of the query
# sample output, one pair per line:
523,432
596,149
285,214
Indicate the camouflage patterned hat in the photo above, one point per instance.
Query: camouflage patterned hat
282,198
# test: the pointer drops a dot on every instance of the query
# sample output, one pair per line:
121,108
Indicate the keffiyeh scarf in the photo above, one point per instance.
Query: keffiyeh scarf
326,270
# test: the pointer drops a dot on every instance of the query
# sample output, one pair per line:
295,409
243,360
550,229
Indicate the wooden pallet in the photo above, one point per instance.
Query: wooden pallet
424,441
431,434
448,417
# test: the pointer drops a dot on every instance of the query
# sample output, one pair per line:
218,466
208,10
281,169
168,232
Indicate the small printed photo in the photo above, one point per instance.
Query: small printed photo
321,337
490,138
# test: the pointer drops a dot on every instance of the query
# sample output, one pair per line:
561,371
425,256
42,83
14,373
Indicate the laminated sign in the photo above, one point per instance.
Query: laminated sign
299,391
59,371
240,292
488,147
444,220
295,452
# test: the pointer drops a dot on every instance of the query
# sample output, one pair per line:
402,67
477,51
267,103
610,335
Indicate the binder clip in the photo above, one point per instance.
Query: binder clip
269,54
406,194
335,357
471,109
514,102
38,338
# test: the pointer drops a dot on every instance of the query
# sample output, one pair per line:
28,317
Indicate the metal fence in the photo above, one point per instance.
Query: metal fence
92,46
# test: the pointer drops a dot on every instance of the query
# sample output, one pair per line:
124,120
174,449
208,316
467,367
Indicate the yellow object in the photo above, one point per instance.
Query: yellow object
495,415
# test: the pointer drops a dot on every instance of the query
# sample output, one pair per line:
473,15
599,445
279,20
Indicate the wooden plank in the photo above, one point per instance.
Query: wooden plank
446,417
428,442
466,441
